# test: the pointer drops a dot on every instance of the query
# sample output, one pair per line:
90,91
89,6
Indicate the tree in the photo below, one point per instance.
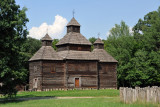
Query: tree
120,44
13,34
28,49
92,40
147,35
55,41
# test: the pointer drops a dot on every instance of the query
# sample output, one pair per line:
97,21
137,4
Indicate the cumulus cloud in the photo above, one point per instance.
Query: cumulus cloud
55,30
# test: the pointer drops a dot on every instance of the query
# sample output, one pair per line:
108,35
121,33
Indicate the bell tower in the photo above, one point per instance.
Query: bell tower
73,26
46,40
98,44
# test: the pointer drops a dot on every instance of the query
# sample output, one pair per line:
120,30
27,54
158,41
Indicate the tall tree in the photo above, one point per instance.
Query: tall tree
120,44
13,34
28,49
147,35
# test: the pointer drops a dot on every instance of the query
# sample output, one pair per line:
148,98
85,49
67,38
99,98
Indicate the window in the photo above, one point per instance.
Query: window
53,69
79,48
35,69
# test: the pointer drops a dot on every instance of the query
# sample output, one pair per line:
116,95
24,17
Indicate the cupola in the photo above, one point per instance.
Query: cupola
73,26
98,44
46,40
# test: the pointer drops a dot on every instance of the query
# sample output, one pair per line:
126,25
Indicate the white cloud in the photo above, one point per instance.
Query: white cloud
55,30
130,30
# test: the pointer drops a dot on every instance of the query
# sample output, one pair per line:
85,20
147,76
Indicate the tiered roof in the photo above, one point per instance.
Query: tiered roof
74,38
48,53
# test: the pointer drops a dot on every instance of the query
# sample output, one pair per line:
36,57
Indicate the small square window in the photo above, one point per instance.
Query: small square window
79,48
53,70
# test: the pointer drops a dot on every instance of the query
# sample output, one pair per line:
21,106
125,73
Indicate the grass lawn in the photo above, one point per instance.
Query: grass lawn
72,93
91,102
103,98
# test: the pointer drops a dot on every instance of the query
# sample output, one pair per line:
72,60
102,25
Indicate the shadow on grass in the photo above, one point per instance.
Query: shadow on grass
24,98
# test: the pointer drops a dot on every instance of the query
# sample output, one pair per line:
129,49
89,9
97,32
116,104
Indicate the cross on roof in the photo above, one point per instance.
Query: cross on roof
73,12
98,35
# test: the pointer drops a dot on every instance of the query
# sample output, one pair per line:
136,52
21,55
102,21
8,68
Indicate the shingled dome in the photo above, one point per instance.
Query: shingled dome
73,22
46,53
74,38
103,56
100,53
47,38
73,35
77,55
98,41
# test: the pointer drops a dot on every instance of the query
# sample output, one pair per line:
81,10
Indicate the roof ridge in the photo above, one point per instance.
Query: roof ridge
43,52
78,39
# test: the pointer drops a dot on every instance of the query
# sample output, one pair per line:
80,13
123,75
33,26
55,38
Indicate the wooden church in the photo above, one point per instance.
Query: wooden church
73,65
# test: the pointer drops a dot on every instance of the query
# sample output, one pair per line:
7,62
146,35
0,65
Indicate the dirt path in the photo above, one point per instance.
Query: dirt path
41,98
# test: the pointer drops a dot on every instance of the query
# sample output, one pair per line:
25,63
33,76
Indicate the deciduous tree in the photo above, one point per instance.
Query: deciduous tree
13,33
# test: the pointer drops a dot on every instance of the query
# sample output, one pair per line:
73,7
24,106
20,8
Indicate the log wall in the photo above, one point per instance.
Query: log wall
86,71
74,47
107,75
53,74
35,69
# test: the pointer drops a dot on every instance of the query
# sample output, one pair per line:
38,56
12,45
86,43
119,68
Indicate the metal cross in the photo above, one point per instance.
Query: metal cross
73,12
98,35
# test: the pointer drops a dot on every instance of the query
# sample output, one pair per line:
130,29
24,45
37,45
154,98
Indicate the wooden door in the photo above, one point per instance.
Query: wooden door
77,82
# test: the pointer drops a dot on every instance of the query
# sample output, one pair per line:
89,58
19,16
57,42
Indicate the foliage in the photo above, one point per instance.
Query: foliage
13,34
55,41
28,49
138,53
92,40
147,36
120,44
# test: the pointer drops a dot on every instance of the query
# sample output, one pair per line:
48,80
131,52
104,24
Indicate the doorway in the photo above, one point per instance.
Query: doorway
76,82
35,83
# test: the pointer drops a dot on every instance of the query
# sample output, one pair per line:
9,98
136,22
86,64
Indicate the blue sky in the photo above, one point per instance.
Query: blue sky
94,15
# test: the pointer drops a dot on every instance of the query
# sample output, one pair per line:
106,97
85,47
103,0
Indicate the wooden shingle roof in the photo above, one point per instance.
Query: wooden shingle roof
74,38
77,55
98,41
47,38
46,53
73,22
103,56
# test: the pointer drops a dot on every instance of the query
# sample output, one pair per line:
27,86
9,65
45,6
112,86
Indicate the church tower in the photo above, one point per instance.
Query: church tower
73,26
73,40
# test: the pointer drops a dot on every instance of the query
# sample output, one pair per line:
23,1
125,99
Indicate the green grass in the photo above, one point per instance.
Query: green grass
91,102
103,98
72,93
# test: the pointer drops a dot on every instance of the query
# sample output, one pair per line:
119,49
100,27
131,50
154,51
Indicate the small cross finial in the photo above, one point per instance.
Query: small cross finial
73,12
98,35
47,30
